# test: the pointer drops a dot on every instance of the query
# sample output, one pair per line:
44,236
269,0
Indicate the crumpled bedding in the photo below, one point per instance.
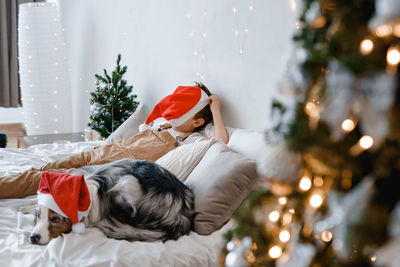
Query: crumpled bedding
91,248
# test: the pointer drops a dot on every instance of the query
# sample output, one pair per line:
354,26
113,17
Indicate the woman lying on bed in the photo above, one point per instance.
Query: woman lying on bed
176,119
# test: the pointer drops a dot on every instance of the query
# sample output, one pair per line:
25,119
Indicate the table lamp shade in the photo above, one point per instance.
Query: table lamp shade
43,68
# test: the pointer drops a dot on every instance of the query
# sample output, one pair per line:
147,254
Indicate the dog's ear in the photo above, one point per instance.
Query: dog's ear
30,209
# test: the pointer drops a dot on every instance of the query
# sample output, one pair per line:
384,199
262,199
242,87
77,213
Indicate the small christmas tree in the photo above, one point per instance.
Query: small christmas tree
112,102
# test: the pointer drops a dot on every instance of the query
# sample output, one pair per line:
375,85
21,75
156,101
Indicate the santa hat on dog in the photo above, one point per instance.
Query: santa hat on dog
180,106
67,195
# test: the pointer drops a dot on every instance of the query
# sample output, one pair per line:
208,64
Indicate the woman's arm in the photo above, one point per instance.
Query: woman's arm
220,132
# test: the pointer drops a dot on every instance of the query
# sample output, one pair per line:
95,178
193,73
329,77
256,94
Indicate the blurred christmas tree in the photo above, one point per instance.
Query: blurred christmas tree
334,178
112,102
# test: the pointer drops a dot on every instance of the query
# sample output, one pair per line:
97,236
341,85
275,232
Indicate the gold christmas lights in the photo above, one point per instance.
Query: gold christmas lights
275,252
326,236
305,183
366,46
274,216
393,56
316,200
284,236
348,125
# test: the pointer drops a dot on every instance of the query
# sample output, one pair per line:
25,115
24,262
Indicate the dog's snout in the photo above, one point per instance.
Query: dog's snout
35,238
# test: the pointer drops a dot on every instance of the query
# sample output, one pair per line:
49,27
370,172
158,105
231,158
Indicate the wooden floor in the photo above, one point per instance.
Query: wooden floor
12,130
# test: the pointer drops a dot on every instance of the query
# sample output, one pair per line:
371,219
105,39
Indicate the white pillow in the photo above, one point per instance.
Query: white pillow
182,160
130,127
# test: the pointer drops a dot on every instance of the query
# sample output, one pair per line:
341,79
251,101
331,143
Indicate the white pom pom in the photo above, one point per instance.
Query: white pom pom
78,228
280,164
143,127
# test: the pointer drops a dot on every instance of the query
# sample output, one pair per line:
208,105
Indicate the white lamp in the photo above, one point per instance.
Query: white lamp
43,69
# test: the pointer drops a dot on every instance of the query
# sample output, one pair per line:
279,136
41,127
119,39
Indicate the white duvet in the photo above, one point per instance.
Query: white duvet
91,248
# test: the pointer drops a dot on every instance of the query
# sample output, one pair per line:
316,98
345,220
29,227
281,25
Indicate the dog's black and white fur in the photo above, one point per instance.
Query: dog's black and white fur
132,200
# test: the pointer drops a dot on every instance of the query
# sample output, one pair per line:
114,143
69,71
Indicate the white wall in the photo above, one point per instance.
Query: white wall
154,39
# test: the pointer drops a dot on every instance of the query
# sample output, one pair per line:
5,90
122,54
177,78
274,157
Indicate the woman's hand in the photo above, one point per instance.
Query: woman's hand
215,103
220,132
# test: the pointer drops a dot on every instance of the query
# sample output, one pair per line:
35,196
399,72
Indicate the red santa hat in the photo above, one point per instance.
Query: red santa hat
180,106
67,195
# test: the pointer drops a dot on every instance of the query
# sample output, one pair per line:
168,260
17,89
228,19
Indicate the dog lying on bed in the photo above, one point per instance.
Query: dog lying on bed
129,199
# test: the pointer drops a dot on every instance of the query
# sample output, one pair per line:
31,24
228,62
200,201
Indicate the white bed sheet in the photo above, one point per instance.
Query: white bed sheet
91,248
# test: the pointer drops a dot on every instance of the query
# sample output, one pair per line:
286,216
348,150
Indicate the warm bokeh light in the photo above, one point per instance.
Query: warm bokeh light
316,200
287,218
282,200
366,142
383,31
318,181
366,46
396,30
373,258
305,183
326,236
275,252
393,56
348,125
284,236
274,216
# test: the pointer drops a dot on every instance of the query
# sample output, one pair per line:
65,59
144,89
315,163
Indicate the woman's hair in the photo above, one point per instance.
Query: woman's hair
205,113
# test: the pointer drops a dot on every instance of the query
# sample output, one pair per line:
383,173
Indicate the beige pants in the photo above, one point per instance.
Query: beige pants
147,145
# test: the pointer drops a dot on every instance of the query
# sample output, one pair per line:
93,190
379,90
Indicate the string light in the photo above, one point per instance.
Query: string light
366,46
373,258
316,200
287,218
348,125
55,131
275,252
318,181
284,236
366,142
282,200
363,144
396,30
305,183
383,31
241,39
293,5
274,216
393,56
326,236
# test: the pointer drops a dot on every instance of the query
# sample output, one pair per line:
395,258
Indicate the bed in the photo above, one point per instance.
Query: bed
218,192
